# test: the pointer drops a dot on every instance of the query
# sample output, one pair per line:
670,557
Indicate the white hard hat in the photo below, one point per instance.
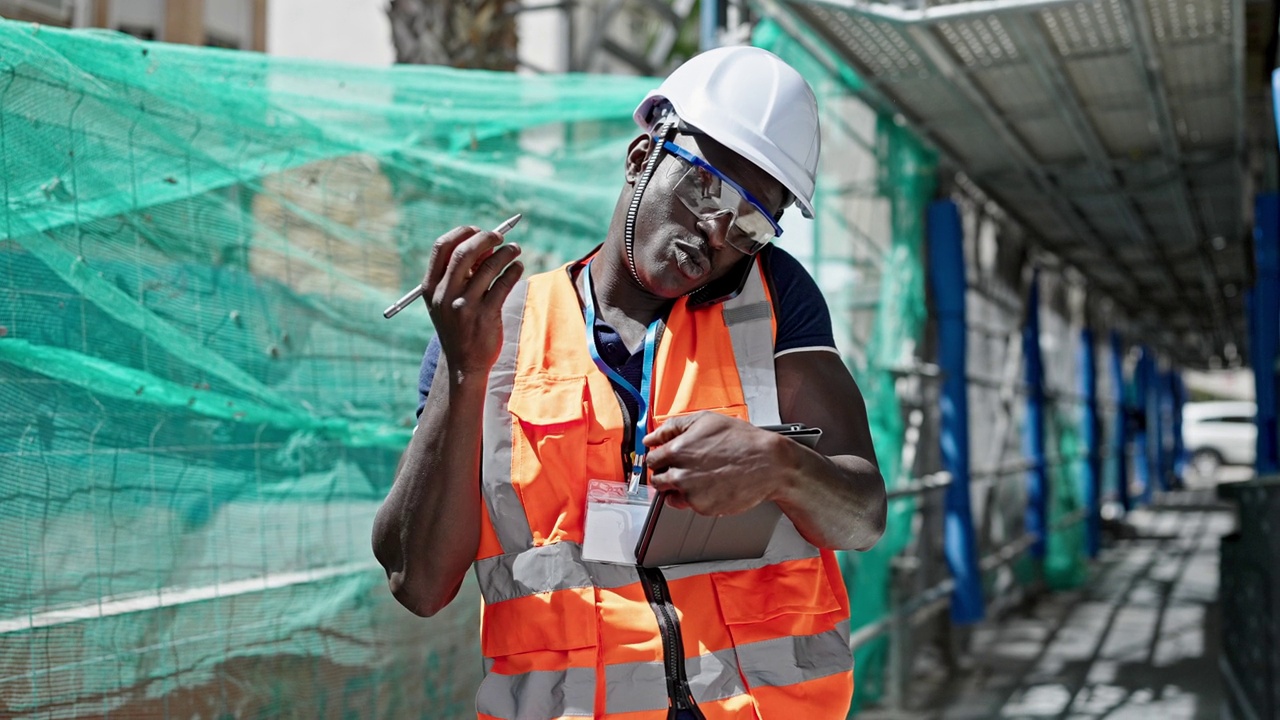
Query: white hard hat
753,103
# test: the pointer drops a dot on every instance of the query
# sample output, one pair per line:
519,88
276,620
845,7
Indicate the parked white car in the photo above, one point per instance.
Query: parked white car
1219,433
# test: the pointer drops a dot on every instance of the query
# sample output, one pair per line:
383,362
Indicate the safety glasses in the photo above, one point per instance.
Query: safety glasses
708,193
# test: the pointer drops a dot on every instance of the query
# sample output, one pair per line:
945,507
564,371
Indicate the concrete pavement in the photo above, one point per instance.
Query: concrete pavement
1139,641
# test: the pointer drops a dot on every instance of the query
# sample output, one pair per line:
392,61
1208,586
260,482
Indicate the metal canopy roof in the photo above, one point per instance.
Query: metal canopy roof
1111,129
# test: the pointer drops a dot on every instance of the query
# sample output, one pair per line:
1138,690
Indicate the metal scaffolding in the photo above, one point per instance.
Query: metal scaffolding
1112,130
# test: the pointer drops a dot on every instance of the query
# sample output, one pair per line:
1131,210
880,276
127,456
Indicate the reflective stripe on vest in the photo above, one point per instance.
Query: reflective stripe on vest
559,566
505,511
543,694
749,317
636,687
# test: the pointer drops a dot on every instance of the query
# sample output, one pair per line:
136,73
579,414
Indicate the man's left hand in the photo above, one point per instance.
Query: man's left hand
715,464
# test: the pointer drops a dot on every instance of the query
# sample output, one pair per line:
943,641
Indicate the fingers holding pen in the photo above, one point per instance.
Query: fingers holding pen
466,255
442,253
488,270
469,276
502,286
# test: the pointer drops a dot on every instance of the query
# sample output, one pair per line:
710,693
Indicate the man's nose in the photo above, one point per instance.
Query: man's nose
716,228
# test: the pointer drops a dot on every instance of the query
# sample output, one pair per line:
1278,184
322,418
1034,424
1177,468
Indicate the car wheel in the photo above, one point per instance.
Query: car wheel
1206,462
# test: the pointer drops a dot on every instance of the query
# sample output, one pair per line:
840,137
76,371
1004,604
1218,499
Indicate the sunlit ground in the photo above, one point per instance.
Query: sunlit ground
1140,641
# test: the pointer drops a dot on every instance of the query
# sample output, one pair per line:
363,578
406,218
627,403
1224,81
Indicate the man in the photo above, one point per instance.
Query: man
526,408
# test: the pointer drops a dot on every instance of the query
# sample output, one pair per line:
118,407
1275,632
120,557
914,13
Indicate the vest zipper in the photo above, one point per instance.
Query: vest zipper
672,646
659,597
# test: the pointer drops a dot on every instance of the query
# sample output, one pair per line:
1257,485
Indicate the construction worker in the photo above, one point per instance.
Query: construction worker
537,388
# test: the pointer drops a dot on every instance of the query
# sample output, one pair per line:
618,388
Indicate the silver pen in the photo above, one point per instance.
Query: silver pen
416,293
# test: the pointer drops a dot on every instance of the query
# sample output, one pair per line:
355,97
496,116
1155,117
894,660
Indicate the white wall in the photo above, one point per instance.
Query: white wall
543,37
354,31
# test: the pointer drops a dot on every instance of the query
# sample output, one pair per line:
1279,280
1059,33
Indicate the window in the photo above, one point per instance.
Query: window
141,32
220,41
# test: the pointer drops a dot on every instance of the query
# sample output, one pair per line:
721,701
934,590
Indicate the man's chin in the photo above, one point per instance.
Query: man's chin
675,286
674,279
668,285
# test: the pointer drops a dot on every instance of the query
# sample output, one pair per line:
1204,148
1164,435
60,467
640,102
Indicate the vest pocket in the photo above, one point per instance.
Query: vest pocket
547,399
794,587
790,637
548,454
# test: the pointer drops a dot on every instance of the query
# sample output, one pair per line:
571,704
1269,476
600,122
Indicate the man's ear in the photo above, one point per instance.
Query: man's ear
637,153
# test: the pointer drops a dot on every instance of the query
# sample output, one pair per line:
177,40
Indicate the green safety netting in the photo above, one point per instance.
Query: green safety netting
898,191
1065,563
202,405
1066,560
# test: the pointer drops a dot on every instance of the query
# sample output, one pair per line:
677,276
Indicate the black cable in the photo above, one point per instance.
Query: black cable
665,127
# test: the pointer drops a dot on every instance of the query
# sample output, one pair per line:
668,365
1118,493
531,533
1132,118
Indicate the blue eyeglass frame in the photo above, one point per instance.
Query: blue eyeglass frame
692,159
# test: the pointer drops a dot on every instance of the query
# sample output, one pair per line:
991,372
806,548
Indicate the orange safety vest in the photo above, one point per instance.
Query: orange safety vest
564,637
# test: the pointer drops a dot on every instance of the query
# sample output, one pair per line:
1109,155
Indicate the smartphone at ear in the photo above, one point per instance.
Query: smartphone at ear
723,288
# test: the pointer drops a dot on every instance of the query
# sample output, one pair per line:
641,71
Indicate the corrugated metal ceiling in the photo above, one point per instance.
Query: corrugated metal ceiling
1109,128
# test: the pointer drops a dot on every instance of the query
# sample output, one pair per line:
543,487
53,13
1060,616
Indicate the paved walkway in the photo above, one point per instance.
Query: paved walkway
1140,641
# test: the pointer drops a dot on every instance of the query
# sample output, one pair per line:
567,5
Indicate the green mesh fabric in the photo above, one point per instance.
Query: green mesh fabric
1066,562
873,228
202,405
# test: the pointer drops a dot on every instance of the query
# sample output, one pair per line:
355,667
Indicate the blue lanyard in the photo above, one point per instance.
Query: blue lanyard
646,376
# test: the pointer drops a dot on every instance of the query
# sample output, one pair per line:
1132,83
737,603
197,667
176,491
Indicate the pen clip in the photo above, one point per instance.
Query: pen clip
637,474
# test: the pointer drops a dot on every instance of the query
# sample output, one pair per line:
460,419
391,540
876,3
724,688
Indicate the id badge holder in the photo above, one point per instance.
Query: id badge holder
615,519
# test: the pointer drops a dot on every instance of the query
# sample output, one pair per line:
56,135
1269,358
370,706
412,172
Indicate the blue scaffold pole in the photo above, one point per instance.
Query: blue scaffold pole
1092,445
1160,425
947,282
1179,390
1264,329
709,22
1033,442
1119,433
1146,438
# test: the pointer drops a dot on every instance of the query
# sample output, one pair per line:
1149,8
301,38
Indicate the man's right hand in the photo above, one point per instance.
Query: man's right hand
427,531
468,279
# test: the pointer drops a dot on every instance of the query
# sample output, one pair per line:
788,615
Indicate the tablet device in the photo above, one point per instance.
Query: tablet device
673,536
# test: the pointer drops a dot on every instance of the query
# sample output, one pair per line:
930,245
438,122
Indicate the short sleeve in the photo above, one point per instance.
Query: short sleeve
804,321
430,359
